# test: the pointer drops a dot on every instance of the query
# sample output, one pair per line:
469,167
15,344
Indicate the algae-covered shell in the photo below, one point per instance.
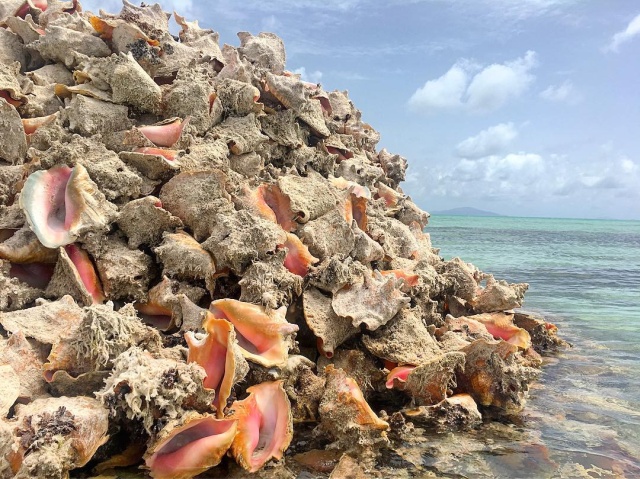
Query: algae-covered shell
69,431
63,203
189,446
265,425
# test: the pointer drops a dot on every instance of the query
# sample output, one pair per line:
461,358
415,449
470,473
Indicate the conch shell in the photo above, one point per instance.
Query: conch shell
63,203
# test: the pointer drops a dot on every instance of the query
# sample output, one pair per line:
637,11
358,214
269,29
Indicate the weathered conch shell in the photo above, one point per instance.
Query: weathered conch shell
218,353
63,203
189,446
166,133
262,337
500,326
265,425
298,259
13,146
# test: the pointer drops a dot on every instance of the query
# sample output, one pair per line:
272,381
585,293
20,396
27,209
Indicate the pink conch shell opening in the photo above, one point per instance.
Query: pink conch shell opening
298,259
215,354
261,337
410,279
165,135
270,203
265,425
399,374
86,272
500,326
191,449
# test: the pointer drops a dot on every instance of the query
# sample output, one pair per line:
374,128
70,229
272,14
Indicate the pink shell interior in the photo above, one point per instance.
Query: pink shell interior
86,272
215,356
257,333
401,373
164,135
298,259
189,450
48,207
169,155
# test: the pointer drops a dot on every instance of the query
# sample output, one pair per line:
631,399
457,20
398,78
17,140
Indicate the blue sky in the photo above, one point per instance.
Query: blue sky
523,107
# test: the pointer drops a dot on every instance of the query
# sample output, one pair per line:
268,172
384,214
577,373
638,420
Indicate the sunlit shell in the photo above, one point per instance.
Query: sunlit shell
62,203
298,259
310,197
373,302
68,46
189,446
262,336
500,325
75,274
26,360
398,374
265,425
265,50
217,352
498,296
166,133
10,389
269,202
391,197
13,146
410,279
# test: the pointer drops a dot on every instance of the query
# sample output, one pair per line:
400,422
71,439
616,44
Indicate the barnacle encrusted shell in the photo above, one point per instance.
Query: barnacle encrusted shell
498,296
144,221
493,376
196,198
9,87
63,203
500,326
25,360
47,322
57,435
310,197
330,329
344,413
17,290
90,116
68,46
217,351
241,133
13,146
269,283
429,382
182,257
373,302
263,335
329,235
190,445
23,247
459,411
146,388
265,50
403,340
265,425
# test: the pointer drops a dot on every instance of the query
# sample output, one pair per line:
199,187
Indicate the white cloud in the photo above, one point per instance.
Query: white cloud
313,77
632,30
497,83
487,90
563,93
444,92
488,142
628,165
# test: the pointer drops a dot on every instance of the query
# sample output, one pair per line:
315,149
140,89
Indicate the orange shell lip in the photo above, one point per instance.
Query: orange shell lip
500,326
30,125
169,155
298,259
86,272
398,374
261,337
9,99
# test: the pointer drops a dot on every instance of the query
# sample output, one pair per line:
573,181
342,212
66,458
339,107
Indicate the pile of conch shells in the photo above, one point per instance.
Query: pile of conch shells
201,255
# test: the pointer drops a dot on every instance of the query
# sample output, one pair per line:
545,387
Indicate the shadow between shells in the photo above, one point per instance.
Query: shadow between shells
207,265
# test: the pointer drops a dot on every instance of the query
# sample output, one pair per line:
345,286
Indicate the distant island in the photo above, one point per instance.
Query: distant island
465,211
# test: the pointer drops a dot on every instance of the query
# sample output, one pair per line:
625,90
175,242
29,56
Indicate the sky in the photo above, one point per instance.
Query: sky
521,107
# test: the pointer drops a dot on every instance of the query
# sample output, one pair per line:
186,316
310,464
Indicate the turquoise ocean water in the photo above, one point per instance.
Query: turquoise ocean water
583,415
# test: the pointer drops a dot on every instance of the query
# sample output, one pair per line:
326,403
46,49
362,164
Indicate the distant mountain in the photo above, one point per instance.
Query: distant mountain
465,211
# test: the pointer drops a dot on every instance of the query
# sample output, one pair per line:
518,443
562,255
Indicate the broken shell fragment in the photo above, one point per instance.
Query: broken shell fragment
63,203
189,446
263,337
218,353
23,247
265,425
